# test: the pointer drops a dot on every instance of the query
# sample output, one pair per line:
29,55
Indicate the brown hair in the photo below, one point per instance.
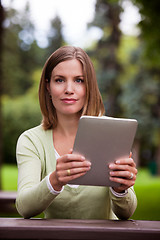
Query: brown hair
93,105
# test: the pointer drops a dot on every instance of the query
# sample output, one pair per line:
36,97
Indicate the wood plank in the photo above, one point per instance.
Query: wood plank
7,202
78,229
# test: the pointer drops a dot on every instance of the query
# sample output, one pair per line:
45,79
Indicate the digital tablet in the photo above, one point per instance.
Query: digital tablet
102,140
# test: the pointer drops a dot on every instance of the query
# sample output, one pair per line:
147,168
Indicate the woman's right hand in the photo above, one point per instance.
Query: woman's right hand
69,167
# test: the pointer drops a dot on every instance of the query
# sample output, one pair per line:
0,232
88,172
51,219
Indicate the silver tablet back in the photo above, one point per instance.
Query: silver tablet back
103,140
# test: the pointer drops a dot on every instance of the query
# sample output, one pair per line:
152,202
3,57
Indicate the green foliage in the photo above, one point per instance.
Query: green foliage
140,95
20,59
21,55
127,76
55,36
107,17
150,35
19,114
140,89
138,101
127,70
14,80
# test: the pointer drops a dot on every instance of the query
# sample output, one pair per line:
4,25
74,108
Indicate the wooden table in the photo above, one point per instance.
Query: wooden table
18,228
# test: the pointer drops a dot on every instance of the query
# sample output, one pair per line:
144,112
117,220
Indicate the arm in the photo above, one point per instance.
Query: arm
124,171
124,207
33,194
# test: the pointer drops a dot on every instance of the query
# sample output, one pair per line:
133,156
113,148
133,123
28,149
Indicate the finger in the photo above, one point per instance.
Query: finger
123,174
71,157
76,164
127,183
126,161
116,167
76,176
65,179
74,171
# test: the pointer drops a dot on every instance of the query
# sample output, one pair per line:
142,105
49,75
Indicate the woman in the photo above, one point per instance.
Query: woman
68,89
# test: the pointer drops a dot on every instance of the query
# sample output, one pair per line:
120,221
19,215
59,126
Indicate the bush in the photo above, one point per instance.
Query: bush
19,115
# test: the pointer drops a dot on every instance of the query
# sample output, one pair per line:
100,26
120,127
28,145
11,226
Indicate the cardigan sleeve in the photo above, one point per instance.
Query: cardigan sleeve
124,207
33,194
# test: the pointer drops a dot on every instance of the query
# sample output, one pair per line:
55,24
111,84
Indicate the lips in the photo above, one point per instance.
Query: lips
69,100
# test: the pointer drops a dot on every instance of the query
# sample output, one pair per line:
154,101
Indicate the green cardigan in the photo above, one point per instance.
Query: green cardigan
36,159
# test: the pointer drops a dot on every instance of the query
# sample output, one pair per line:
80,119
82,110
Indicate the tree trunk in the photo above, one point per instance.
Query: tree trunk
136,151
1,87
158,160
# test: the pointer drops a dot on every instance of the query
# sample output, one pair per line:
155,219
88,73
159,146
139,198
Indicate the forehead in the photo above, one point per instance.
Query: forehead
67,67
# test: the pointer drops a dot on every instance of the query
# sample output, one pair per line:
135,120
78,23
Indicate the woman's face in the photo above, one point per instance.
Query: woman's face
67,87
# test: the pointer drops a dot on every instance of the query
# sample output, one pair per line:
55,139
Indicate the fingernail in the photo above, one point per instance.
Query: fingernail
111,173
83,158
88,163
111,165
118,162
71,151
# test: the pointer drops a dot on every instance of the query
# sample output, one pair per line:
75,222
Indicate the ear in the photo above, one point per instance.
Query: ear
48,85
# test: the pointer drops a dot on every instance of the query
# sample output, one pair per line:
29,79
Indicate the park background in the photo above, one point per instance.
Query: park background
127,65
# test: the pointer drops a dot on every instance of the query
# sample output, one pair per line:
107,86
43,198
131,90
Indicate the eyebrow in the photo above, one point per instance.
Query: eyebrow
58,76
80,76
54,76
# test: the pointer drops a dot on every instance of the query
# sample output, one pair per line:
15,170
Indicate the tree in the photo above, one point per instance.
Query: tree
131,89
138,100
1,85
23,60
149,25
150,57
21,54
144,83
107,18
55,36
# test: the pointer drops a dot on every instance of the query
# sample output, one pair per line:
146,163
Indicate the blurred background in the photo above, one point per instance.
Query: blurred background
122,38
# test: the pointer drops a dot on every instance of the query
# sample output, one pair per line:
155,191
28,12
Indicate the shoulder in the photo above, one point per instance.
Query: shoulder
37,131
36,135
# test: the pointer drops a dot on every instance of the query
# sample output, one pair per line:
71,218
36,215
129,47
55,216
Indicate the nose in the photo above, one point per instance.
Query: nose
69,87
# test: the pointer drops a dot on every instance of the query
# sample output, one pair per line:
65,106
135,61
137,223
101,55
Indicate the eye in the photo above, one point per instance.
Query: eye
59,80
79,80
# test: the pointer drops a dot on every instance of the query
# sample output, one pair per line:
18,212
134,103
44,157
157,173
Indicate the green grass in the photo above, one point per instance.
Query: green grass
147,189
9,177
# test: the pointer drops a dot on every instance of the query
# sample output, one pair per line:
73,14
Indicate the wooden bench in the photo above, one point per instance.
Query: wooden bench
7,202
18,228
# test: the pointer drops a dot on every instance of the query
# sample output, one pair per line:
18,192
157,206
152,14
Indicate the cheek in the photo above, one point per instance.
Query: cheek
82,91
55,92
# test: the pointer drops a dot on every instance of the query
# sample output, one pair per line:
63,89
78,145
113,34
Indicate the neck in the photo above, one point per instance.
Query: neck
67,125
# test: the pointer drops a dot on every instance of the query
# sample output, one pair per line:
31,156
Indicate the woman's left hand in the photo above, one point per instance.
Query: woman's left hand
123,171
